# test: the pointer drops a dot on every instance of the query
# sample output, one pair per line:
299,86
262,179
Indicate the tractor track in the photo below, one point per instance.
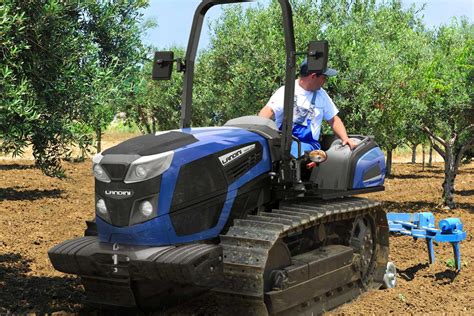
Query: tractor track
247,243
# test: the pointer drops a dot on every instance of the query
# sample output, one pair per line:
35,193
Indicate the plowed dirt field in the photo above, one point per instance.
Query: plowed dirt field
37,212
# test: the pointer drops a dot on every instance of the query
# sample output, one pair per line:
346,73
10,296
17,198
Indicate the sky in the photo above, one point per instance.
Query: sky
174,18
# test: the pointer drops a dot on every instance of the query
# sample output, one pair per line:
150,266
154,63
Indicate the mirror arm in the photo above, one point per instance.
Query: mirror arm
180,65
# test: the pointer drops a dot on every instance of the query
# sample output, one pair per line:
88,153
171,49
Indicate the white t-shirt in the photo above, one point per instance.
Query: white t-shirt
303,110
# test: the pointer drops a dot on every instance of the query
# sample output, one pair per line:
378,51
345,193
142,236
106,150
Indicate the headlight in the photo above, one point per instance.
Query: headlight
140,172
146,208
99,172
148,167
100,207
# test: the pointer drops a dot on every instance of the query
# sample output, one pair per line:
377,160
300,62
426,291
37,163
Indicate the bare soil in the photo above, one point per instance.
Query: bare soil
37,212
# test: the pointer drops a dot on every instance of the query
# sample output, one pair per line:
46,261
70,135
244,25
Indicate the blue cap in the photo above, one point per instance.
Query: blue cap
329,72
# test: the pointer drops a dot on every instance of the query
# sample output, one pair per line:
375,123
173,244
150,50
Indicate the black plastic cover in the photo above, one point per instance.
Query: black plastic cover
199,196
152,144
202,186
122,209
250,196
200,179
199,217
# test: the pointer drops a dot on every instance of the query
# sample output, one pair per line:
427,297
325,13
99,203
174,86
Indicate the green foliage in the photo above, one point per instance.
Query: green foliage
43,66
122,126
63,64
447,103
402,297
448,82
244,65
154,105
450,263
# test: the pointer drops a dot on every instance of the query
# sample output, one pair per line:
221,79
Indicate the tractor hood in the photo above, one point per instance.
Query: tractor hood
172,149
183,178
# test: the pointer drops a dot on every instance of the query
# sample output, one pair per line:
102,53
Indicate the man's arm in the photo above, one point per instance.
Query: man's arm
267,112
340,130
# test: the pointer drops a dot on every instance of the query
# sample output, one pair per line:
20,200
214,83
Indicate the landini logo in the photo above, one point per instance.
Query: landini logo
119,194
229,157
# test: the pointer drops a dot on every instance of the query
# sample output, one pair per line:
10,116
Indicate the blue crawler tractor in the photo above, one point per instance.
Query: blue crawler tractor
229,209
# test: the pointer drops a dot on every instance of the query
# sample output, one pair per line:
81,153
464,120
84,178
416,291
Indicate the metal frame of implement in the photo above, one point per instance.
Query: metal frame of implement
422,225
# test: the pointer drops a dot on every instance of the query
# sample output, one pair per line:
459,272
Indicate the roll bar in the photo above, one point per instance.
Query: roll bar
190,58
164,60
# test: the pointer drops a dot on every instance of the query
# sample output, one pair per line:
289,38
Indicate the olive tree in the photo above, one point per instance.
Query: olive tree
61,62
154,105
448,116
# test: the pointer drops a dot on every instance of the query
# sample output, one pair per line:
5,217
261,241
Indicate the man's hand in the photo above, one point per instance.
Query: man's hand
349,142
340,131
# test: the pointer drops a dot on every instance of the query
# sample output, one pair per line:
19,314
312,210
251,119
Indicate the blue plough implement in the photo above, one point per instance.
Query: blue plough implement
422,225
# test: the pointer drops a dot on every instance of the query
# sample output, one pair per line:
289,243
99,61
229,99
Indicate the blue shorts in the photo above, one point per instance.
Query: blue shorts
304,147
304,134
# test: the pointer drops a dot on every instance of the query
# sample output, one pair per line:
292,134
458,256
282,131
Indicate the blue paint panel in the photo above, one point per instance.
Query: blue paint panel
159,231
371,158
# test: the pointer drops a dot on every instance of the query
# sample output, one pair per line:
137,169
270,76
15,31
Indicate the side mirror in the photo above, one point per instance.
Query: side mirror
318,52
162,65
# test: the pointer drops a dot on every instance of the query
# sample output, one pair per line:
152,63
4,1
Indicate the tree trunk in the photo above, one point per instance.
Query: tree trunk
413,153
98,137
452,155
388,172
430,158
143,118
450,170
423,157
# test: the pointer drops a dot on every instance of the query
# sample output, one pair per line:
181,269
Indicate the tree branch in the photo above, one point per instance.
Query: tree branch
453,139
431,134
437,148
469,127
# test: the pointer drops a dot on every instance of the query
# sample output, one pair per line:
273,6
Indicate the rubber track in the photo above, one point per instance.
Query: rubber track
247,243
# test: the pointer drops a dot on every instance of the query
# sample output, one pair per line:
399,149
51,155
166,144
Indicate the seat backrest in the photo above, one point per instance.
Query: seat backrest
251,120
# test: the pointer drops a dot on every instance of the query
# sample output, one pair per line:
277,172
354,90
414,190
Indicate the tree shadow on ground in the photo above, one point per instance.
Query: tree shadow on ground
465,169
415,206
409,273
418,206
464,192
22,293
412,176
462,170
11,194
16,166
